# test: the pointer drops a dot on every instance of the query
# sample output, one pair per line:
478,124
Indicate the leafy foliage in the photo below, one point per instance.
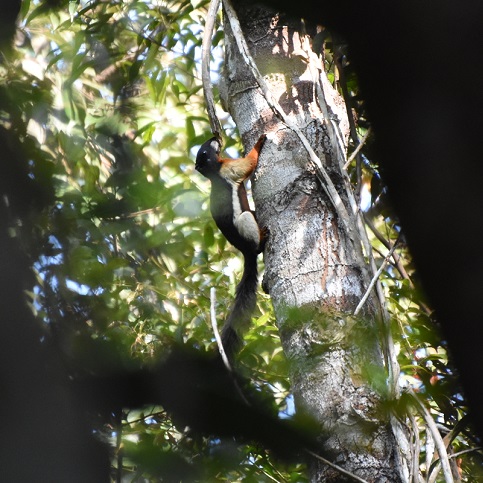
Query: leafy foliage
105,101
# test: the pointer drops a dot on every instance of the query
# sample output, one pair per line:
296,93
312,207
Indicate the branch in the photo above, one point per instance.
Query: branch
397,259
336,467
432,477
221,349
438,440
415,475
358,148
205,67
464,451
374,279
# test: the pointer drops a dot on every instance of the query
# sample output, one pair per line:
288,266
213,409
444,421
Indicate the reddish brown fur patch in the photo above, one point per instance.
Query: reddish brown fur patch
238,170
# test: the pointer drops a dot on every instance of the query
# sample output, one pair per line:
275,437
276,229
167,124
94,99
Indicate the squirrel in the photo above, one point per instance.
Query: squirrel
231,212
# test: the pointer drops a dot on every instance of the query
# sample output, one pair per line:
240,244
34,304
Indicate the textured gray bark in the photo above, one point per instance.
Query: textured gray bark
315,273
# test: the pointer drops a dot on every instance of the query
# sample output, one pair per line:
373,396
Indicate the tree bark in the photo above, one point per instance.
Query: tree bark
316,273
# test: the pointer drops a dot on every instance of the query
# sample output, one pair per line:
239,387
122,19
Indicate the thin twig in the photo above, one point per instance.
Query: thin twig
205,67
464,451
457,429
397,259
434,473
429,447
374,279
435,467
219,343
338,468
415,476
358,148
438,440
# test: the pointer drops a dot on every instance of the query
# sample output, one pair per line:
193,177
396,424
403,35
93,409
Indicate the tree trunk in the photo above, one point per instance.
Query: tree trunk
316,273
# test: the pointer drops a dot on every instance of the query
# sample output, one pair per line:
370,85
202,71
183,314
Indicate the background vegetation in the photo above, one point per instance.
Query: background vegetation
105,101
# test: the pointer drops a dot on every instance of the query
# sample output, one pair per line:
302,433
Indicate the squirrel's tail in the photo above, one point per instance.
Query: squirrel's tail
243,307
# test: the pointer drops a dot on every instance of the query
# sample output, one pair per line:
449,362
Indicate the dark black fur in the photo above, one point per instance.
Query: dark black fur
222,210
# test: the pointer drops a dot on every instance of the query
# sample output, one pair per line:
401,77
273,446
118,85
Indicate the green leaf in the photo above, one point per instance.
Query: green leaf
208,236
